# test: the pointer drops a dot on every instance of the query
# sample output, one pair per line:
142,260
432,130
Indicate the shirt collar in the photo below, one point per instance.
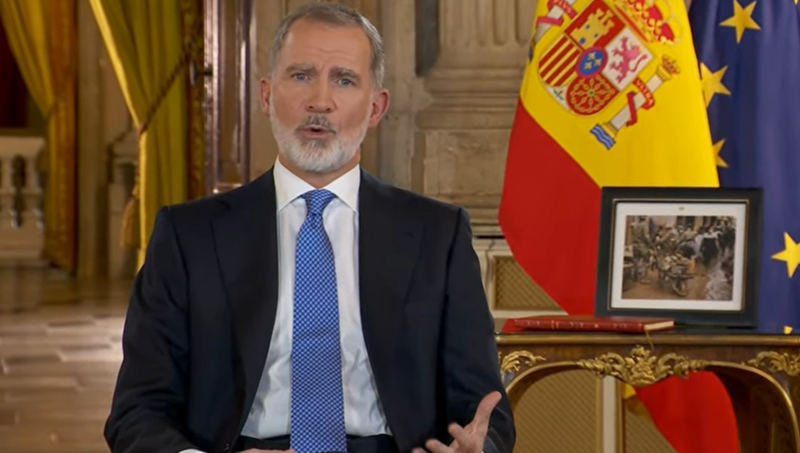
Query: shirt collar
288,186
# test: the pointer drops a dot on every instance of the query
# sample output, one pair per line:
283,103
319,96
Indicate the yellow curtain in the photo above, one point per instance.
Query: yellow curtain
43,37
145,43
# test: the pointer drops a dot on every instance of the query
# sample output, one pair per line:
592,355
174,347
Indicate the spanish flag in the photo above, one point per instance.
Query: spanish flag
611,96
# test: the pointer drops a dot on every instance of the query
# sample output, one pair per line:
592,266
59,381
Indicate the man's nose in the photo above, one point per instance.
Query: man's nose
320,100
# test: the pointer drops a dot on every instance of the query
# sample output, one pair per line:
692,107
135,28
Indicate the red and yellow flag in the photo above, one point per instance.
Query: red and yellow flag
611,96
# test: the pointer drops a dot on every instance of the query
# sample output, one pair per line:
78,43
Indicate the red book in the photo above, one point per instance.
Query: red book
621,324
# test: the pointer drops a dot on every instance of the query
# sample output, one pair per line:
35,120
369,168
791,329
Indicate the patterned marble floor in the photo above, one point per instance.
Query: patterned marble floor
60,353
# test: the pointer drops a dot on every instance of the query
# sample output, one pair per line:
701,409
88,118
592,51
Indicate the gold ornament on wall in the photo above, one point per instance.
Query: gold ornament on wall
641,368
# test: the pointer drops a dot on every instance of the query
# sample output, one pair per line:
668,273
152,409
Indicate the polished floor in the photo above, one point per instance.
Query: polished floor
60,353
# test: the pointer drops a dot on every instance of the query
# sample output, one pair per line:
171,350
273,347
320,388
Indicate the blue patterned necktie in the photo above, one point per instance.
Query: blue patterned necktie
317,400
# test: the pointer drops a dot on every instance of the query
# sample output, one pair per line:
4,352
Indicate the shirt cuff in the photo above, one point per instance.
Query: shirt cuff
191,451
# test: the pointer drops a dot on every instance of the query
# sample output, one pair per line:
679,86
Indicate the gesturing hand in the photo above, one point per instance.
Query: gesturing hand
468,439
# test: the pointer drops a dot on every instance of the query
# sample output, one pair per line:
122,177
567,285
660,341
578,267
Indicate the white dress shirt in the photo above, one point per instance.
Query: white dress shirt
270,414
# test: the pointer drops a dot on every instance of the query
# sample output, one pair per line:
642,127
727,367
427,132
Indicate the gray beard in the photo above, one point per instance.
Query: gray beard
316,156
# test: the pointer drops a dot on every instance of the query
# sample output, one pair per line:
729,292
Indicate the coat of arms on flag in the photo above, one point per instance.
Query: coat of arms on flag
616,49
606,86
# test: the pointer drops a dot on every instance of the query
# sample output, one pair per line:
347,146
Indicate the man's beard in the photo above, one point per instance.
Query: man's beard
316,156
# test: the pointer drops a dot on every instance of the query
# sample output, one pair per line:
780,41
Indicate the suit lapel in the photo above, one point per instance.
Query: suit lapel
246,244
388,248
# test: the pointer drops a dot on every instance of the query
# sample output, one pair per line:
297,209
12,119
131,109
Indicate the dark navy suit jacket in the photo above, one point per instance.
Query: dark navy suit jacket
203,306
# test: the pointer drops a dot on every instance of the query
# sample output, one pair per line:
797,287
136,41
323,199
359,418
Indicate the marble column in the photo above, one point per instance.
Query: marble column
462,136
102,118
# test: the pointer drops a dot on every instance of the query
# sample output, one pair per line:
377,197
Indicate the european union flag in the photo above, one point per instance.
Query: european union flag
749,55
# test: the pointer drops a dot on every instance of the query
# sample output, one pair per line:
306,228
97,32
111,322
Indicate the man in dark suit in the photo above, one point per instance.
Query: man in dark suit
315,308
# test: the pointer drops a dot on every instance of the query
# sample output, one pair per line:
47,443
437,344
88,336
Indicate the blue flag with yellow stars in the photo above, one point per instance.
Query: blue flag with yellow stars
749,56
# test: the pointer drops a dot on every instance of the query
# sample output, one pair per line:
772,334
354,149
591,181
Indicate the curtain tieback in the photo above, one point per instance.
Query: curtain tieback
130,216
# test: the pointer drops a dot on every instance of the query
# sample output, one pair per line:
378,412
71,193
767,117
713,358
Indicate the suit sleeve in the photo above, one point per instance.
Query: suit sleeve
471,366
148,407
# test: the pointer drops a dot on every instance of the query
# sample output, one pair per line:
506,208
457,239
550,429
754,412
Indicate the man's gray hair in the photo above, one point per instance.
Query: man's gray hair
338,15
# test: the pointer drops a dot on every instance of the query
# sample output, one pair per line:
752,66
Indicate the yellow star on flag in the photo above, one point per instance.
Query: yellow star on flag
712,82
717,148
742,19
790,254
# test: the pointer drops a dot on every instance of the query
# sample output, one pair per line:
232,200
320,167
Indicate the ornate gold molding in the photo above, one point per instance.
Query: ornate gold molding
777,362
641,368
514,361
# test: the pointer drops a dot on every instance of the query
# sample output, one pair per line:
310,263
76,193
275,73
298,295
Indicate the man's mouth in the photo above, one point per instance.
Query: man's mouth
315,131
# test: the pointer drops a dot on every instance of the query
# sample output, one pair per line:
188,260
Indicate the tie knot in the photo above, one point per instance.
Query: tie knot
317,200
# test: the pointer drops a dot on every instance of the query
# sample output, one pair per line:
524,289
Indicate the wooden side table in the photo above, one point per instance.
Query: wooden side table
761,372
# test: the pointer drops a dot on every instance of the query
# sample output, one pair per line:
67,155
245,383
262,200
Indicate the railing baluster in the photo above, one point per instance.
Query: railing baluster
32,192
21,227
6,190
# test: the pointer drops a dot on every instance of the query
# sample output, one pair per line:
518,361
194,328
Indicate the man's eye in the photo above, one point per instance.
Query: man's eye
345,82
299,76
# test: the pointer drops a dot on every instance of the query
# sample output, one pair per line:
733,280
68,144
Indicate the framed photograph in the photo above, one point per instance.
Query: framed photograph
690,254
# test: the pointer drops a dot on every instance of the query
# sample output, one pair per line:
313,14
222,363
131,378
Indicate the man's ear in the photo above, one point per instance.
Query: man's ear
266,89
380,104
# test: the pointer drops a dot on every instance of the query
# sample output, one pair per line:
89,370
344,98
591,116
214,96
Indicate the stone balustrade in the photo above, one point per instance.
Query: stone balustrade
21,219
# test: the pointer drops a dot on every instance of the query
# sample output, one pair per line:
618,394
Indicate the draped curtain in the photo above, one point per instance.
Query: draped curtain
146,44
42,36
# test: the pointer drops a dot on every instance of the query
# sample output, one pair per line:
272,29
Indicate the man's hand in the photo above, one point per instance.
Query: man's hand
470,438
